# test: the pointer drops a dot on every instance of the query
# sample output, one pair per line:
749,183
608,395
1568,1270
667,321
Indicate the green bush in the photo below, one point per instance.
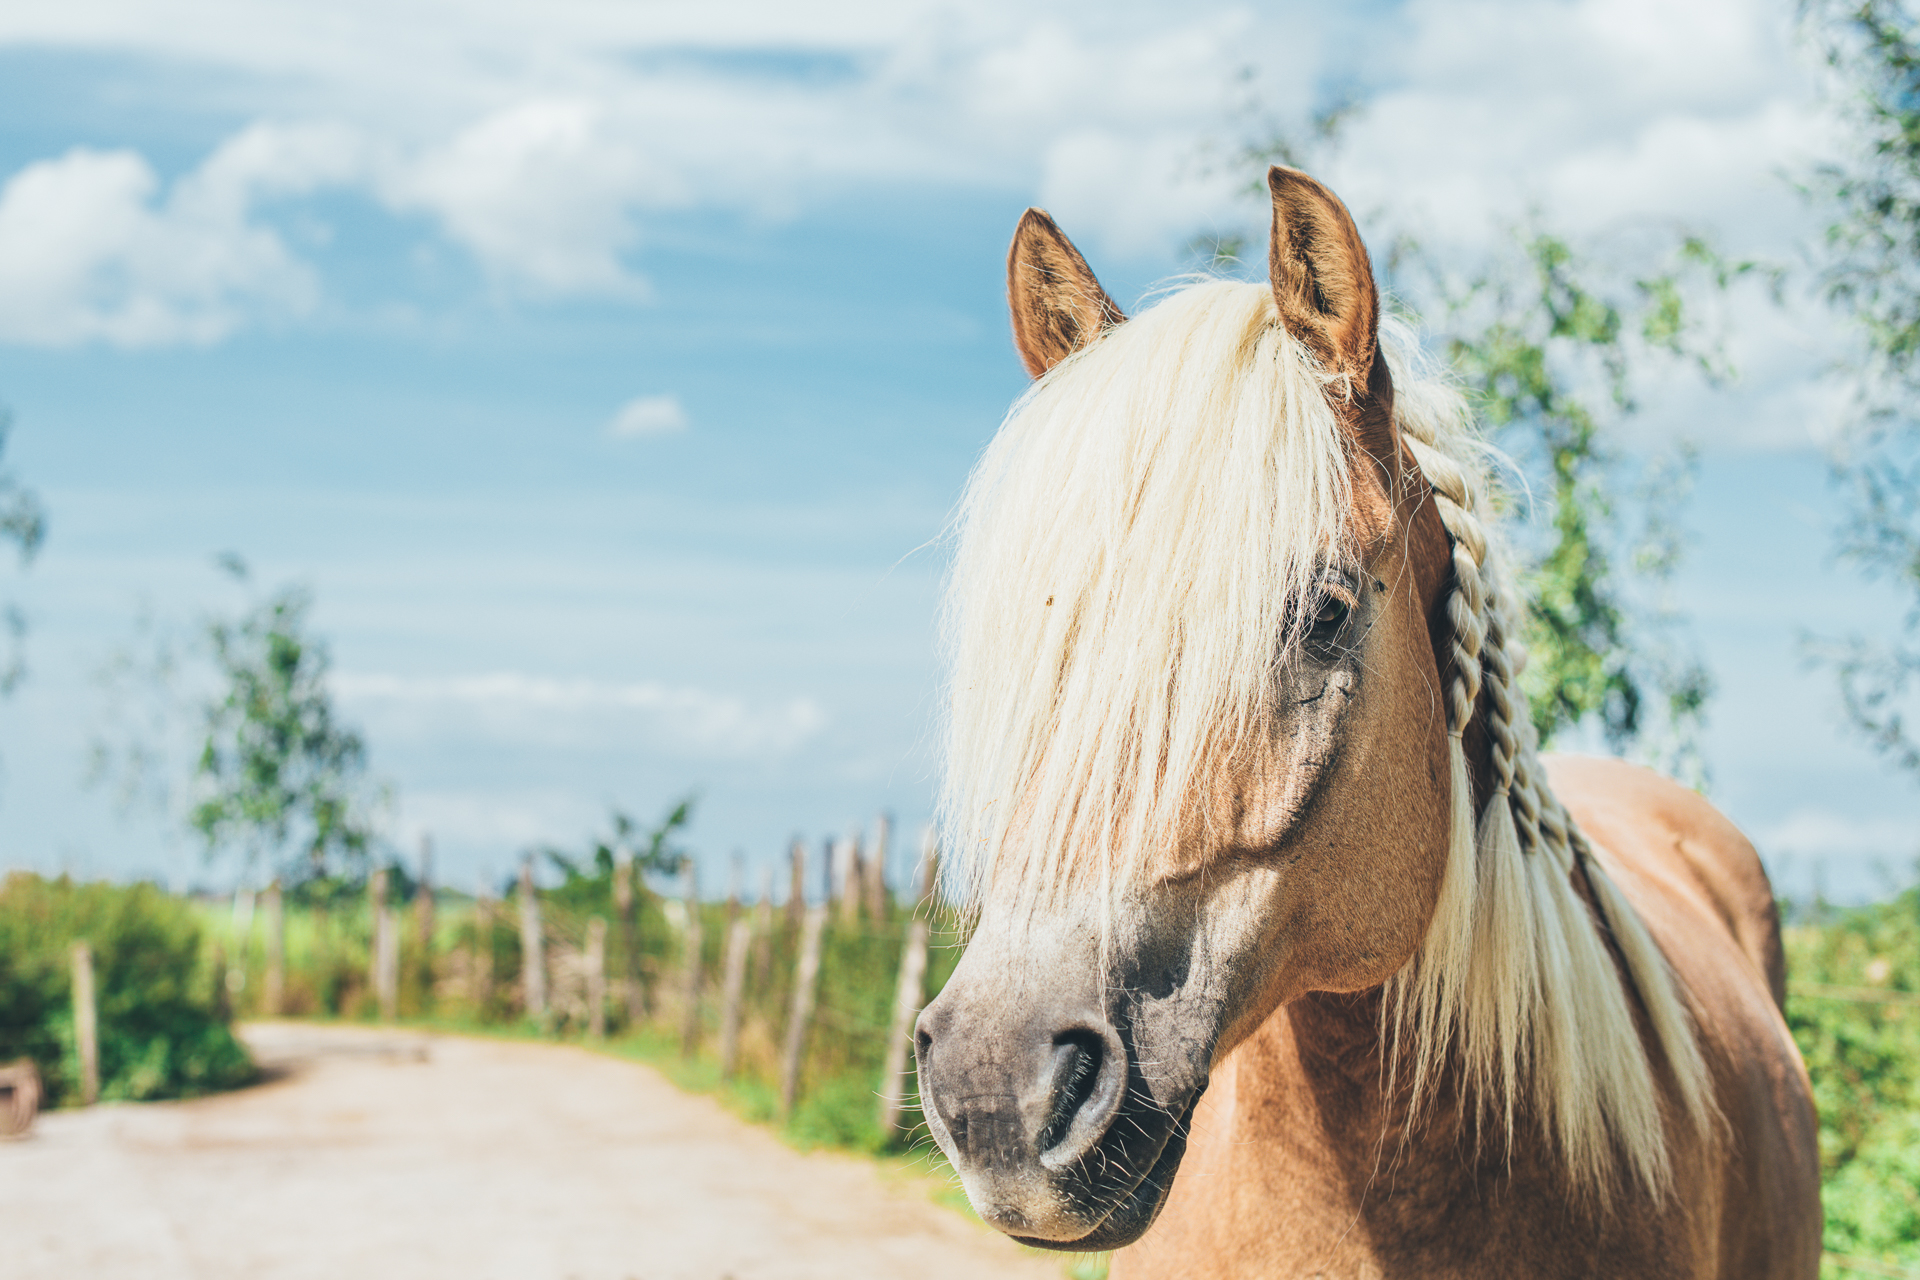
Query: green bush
1864,1058
163,1032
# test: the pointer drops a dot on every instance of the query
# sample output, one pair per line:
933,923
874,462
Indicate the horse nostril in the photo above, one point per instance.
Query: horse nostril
1075,1072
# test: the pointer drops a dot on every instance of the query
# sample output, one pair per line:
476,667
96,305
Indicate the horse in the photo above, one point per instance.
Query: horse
1291,954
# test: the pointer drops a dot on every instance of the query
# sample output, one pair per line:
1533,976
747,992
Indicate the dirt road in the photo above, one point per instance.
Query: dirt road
382,1154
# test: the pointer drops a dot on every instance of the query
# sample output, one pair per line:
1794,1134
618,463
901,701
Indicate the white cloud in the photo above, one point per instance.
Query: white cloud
92,250
543,145
527,710
87,253
1593,112
543,193
1135,195
648,416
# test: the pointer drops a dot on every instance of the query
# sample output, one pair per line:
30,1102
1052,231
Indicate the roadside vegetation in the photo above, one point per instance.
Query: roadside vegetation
164,1028
1854,1008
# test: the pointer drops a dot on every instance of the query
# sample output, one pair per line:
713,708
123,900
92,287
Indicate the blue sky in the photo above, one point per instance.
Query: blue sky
361,292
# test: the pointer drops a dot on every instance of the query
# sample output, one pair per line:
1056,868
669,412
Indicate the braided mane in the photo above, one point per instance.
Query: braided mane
1514,984
1173,491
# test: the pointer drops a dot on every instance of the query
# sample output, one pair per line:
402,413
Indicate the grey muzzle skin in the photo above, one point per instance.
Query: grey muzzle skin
1062,1094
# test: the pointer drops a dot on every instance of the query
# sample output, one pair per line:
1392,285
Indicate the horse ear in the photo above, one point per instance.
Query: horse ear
1322,277
1058,307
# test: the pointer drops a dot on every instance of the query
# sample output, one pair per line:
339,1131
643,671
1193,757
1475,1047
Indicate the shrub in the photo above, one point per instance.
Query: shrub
163,1031
1864,1057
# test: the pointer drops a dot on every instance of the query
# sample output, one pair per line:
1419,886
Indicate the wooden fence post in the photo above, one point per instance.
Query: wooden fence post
876,885
856,886
829,861
739,934
383,940
386,951
690,1009
797,888
480,972
633,993
533,950
389,946
423,907
376,904
846,877
597,978
275,996
910,994
801,1014
86,1025
242,934
762,967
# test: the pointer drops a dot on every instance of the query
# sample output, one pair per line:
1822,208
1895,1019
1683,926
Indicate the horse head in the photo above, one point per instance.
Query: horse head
1200,760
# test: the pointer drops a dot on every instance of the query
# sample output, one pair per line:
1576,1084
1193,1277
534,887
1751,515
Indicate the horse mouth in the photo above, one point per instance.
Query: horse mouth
1134,1211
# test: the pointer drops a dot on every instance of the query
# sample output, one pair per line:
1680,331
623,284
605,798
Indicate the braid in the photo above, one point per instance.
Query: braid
1467,605
1516,980
1486,658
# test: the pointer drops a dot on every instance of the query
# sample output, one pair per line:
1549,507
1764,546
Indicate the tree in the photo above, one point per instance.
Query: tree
655,851
1870,274
23,522
1550,343
277,772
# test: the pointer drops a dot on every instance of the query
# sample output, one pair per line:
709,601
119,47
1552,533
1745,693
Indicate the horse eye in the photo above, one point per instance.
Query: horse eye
1329,617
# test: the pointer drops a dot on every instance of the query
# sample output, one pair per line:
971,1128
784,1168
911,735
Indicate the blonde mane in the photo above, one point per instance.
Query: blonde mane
1139,540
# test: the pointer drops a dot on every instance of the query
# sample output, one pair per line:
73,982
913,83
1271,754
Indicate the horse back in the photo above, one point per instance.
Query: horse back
1676,832
1699,886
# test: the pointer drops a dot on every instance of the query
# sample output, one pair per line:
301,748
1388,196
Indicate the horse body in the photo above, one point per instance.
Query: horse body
1291,955
1301,1165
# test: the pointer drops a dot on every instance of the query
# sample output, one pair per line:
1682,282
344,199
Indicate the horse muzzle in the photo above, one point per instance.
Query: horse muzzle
1042,1109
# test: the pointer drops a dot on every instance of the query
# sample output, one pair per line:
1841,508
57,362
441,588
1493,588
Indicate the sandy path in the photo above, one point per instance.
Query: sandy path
394,1154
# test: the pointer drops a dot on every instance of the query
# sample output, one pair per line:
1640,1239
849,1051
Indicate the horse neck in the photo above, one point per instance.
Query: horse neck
1328,1055
1340,1053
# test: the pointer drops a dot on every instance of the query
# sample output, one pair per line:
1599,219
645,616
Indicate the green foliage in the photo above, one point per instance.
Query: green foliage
163,1031
1871,275
1550,348
587,890
852,1013
588,881
328,941
1864,1058
1551,345
23,522
275,763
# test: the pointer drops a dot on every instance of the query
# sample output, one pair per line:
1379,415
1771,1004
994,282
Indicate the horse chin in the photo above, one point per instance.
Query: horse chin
1135,1212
